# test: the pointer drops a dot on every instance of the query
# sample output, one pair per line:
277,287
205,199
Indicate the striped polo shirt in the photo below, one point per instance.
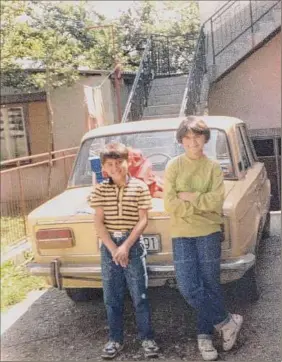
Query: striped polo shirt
121,204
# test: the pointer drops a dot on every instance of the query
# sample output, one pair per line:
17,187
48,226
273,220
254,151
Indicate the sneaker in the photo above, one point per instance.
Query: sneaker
111,349
230,331
207,350
150,348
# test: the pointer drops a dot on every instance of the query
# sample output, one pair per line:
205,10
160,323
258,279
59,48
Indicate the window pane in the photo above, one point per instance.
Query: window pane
279,146
244,155
17,132
13,135
248,144
264,147
4,151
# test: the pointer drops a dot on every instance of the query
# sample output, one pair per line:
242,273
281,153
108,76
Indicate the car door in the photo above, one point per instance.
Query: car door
250,203
262,183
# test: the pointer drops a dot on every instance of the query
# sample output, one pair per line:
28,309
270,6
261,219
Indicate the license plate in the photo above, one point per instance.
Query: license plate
152,242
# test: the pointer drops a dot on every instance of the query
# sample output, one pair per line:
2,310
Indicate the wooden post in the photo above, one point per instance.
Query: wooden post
22,198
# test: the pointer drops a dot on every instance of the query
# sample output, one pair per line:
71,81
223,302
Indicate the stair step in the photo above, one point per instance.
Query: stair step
170,80
166,90
163,109
173,115
163,99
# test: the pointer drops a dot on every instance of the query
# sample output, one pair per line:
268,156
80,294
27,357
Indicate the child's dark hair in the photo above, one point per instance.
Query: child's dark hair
114,150
194,124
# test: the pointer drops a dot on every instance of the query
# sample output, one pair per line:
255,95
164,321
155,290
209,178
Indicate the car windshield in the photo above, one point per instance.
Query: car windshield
158,147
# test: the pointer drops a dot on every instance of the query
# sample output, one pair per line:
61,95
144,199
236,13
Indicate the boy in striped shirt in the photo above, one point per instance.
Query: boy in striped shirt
121,214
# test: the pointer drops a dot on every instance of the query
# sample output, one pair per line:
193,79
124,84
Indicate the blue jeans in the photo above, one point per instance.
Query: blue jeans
197,266
115,280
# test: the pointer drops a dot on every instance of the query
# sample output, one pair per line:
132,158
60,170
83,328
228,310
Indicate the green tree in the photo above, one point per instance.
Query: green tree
52,36
173,18
133,28
12,31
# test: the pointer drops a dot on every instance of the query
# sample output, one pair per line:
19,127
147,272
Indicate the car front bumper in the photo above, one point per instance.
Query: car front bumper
159,274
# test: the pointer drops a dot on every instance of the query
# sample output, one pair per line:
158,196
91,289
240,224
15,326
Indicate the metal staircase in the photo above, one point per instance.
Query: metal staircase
165,97
160,81
174,80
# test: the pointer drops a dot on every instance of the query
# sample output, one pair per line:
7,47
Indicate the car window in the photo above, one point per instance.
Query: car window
244,163
159,147
264,147
248,144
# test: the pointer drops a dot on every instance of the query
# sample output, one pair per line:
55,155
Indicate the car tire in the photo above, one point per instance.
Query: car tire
83,294
266,227
245,289
248,287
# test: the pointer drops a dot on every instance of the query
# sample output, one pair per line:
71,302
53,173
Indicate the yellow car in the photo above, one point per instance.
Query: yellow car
64,241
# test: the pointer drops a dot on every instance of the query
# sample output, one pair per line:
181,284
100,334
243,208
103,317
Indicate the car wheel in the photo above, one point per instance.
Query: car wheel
248,286
83,294
266,227
245,289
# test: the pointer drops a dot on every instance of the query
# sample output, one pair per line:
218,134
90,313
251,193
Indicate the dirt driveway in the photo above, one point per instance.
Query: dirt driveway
55,329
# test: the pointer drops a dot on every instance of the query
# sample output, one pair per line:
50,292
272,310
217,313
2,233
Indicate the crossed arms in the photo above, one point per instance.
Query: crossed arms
185,204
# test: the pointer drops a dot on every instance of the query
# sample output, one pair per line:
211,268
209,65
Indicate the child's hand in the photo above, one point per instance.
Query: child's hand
121,255
113,251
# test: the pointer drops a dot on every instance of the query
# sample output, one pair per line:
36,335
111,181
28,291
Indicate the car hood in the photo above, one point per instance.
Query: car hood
72,204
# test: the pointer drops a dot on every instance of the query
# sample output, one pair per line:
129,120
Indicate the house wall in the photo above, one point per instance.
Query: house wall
70,112
252,91
37,125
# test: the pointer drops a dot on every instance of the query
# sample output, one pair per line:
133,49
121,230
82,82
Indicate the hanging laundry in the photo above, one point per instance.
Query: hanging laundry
95,106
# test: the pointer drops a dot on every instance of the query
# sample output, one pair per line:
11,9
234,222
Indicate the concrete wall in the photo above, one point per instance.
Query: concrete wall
70,113
252,91
208,8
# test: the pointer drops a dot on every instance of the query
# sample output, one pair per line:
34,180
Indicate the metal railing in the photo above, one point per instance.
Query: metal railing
192,93
163,56
239,26
138,97
173,55
25,187
219,44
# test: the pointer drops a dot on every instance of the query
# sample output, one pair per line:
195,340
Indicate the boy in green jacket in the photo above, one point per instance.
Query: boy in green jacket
194,195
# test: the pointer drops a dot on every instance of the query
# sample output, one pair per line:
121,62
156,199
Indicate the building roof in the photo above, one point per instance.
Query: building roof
36,66
160,124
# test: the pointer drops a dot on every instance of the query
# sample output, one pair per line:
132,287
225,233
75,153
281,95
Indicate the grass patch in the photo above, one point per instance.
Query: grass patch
12,230
16,283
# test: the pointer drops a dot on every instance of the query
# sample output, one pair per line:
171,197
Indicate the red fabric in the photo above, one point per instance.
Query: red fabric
141,168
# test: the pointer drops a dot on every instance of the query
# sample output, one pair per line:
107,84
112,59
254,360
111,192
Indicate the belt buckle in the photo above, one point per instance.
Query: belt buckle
117,234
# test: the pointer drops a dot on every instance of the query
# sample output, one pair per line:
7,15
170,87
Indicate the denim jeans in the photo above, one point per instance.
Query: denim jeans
197,266
115,280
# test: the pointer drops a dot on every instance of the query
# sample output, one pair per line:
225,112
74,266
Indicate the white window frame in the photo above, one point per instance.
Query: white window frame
7,135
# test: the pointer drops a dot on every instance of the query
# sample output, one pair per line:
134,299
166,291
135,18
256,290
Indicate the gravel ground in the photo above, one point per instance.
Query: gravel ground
55,329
